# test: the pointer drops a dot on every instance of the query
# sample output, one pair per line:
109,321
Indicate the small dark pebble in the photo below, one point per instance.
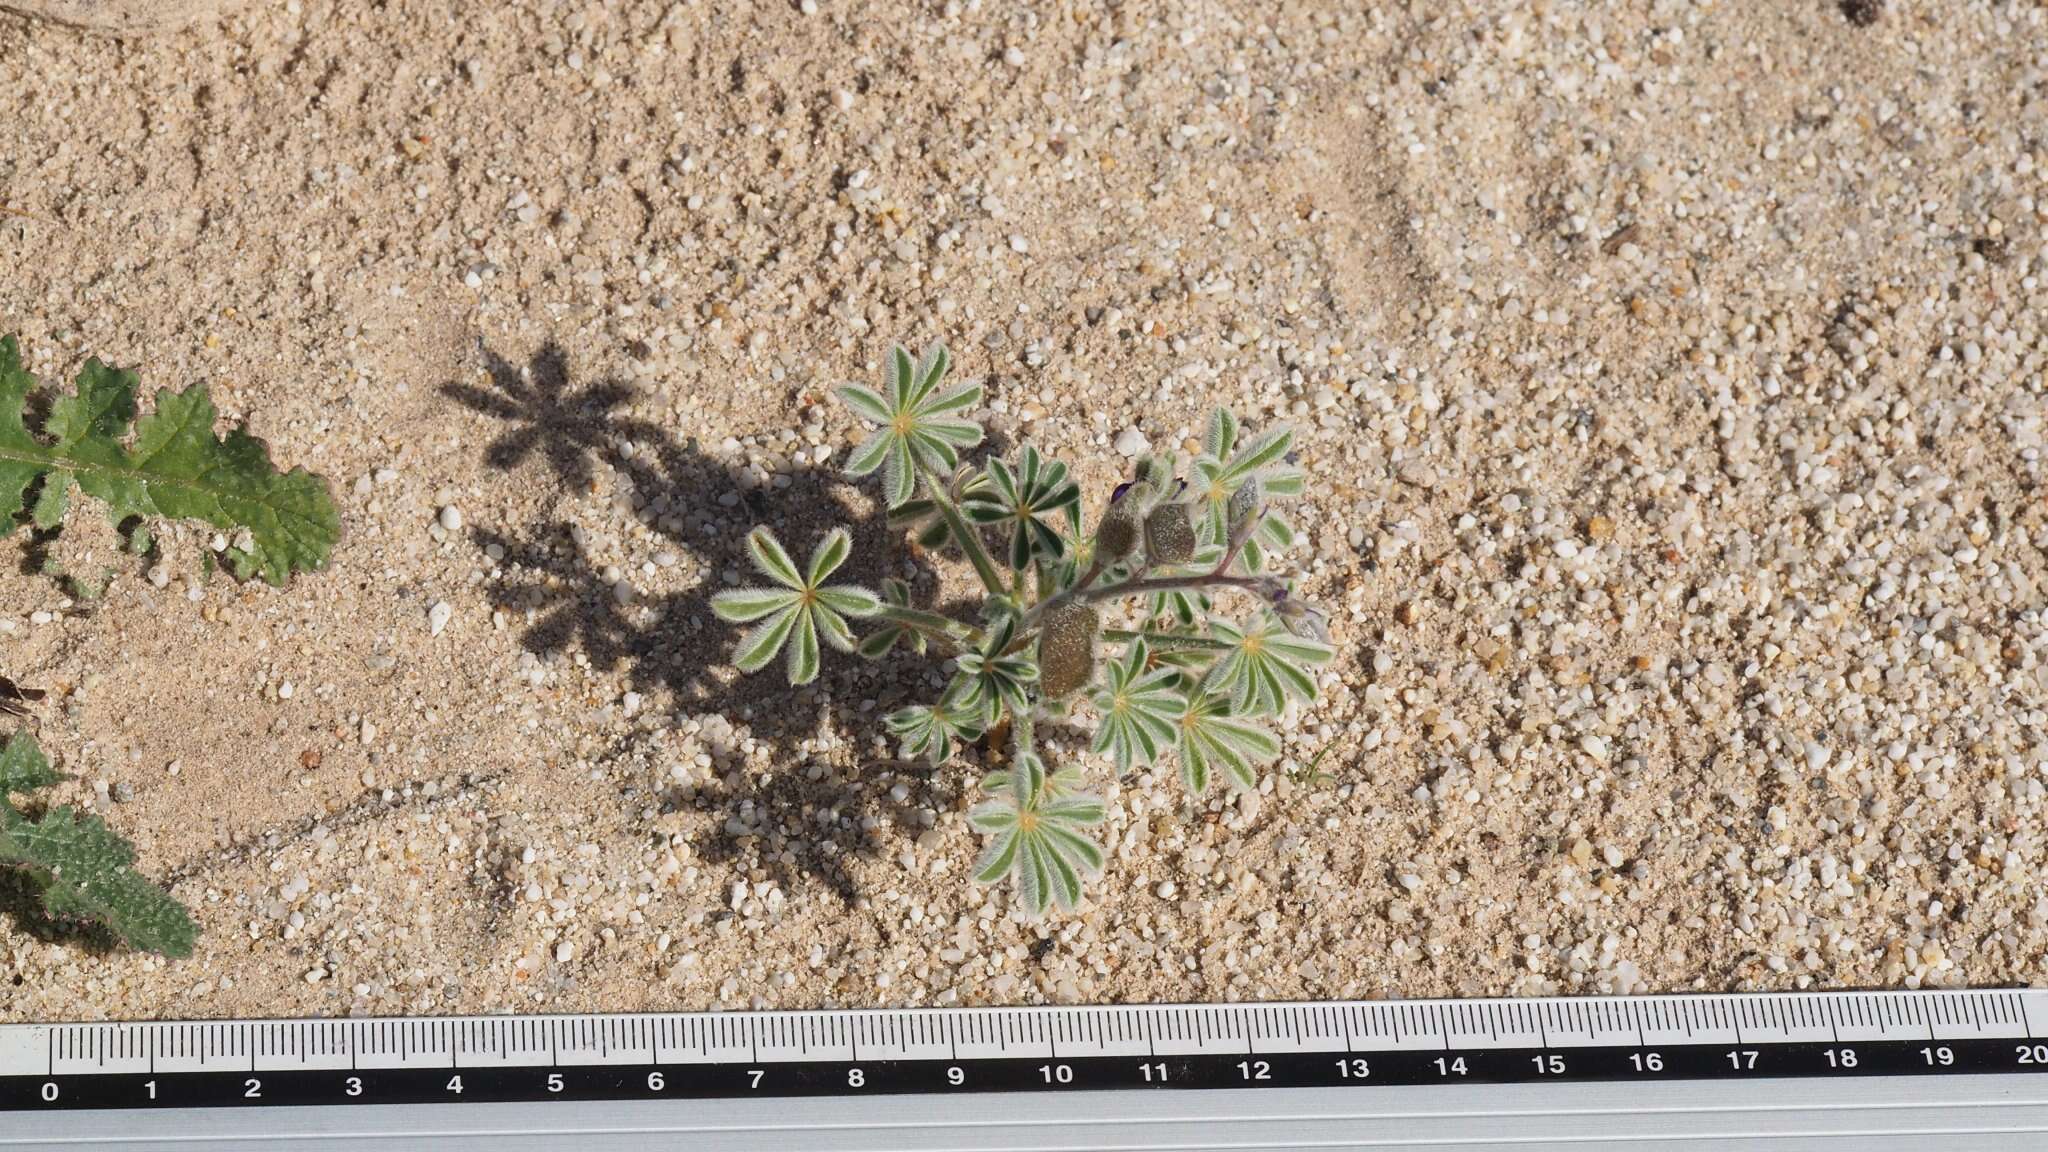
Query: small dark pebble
1863,13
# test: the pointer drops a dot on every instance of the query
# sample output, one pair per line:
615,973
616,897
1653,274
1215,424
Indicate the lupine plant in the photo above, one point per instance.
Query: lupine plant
1124,622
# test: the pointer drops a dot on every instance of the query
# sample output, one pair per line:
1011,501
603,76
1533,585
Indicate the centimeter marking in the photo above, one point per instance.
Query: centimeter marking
501,1059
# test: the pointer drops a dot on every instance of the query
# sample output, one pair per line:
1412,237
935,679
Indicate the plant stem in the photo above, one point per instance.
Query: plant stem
1162,639
1174,583
1135,586
969,539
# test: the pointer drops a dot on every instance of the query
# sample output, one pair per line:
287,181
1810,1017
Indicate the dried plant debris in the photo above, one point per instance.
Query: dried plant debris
14,699
168,465
80,868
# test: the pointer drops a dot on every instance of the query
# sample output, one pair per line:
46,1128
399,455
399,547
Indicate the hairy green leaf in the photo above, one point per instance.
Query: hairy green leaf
1034,502
931,732
920,516
895,594
1265,665
173,467
80,867
992,681
915,430
1248,475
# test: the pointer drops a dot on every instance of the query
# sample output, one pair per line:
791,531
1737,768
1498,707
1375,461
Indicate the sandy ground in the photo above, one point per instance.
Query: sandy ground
1671,379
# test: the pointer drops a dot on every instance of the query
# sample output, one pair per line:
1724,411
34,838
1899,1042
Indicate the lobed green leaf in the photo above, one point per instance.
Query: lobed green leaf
78,867
175,468
23,768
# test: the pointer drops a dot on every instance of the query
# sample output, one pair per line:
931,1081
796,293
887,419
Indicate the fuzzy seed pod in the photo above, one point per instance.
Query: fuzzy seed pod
1169,534
1066,649
1117,535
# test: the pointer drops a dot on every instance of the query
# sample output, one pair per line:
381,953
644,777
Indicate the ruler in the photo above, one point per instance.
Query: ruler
1875,1070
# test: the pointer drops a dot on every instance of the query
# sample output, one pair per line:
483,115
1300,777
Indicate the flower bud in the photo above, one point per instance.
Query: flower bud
1245,505
1116,535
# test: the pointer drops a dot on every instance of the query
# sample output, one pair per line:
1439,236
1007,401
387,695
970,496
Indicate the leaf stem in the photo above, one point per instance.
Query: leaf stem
969,539
963,636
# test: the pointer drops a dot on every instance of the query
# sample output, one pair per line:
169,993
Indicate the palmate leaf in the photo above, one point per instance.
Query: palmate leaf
931,732
798,610
80,868
1039,839
993,681
917,428
1138,706
1227,464
173,468
895,594
1264,666
1209,737
919,516
1034,501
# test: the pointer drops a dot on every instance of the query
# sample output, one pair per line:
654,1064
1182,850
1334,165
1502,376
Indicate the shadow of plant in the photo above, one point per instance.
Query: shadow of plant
803,825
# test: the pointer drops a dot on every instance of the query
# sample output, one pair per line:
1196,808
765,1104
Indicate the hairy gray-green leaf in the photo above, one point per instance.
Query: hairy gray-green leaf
1039,839
1034,502
1210,737
173,467
1139,706
930,732
916,425
1265,665
1227,467
797,609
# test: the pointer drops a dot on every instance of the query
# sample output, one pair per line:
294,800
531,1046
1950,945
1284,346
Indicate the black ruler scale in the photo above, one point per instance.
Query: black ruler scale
479,1060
